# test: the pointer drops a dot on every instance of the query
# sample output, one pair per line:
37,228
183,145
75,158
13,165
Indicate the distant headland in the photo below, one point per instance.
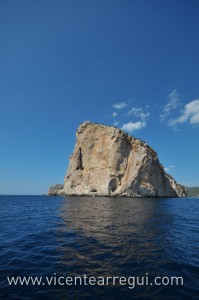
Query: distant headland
108,162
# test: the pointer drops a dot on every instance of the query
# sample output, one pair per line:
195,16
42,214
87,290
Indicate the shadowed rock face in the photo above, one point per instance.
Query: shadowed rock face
108,162
54,189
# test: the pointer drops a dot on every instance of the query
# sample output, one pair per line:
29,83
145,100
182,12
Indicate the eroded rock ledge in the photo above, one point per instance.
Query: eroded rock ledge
108,162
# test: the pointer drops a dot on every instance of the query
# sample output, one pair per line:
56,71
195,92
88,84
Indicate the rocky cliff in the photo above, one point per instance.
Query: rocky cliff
54,189
108,162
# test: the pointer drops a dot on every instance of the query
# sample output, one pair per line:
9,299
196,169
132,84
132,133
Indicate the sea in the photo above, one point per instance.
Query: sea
99,248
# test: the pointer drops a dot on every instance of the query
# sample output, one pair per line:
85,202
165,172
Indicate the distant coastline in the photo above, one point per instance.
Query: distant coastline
193,191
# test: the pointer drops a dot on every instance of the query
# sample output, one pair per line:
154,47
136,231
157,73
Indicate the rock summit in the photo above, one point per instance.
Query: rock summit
108,162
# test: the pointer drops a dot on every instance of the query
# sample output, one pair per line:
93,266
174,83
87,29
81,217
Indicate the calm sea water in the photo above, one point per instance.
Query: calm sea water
61,236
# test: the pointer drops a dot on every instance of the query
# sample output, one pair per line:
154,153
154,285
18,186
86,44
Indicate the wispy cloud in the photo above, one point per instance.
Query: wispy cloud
190,114
173,103
114,114
138,113
120,105
167,169
115,123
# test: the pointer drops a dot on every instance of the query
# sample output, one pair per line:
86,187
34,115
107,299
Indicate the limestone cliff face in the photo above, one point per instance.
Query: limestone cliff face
108,162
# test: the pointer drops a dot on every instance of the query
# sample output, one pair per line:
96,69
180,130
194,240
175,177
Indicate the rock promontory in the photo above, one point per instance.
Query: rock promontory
54,189
108,162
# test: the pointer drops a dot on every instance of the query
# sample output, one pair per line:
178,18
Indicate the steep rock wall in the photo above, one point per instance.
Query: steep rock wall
108,162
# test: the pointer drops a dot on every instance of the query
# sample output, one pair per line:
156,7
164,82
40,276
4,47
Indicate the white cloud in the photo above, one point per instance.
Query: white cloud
190,114
134,111
131,126
174,102
115,123
167,169
120,105
138,113
114,114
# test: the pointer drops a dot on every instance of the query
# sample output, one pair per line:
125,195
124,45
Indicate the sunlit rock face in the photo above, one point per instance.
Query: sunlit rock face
108,162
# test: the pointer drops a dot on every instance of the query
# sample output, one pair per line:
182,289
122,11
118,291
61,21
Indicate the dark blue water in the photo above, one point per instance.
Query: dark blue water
58,236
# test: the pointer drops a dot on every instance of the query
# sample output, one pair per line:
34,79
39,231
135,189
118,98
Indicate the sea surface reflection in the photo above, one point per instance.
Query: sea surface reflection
42,236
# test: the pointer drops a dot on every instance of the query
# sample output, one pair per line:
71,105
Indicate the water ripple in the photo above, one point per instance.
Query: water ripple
42,235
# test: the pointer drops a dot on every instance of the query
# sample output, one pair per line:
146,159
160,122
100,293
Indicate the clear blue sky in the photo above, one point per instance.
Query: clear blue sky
132,63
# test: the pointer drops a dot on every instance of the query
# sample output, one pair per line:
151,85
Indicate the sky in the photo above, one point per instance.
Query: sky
129,63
